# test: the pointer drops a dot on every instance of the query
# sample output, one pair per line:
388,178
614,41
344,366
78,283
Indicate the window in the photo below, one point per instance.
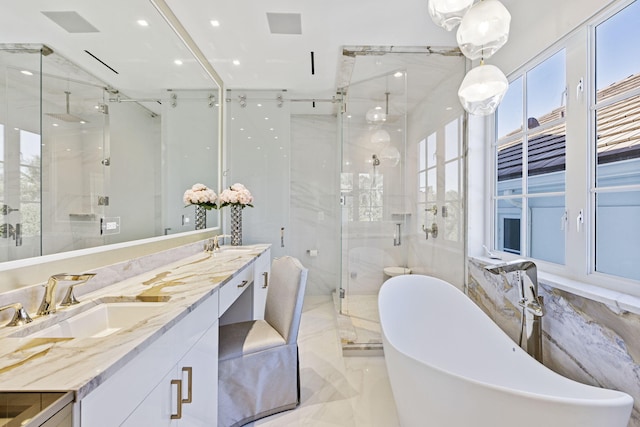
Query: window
427,180
566,165
439,182
616,144
30,183
530,163
363,201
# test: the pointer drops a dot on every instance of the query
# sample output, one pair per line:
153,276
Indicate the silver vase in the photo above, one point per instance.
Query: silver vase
201,218
236,225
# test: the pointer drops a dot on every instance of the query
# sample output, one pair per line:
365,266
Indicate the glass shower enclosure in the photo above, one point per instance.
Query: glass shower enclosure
375,216
53,146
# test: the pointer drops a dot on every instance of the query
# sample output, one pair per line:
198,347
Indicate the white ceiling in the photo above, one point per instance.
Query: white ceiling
144,57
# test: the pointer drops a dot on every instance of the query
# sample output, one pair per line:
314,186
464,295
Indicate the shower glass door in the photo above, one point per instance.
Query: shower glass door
20,158
54,140
75,160
374,212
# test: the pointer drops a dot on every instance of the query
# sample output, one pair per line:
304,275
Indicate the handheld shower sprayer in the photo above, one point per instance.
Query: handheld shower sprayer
376,160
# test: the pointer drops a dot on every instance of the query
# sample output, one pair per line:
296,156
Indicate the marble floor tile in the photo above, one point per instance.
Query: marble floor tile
335,391
360,321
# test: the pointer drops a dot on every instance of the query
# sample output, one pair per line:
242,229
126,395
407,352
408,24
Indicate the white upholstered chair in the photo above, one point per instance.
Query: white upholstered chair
258,368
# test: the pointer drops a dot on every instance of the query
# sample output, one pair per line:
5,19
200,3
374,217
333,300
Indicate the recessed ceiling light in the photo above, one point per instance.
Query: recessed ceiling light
55,125
259,105
27,73
143,23
266,118
236,62
398,74
215,23
178,62
449,108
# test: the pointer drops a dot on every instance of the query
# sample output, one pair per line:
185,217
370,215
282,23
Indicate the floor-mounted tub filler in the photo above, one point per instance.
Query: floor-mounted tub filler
451,366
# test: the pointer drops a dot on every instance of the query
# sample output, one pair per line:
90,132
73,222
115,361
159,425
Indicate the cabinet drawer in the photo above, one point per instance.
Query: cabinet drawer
231,290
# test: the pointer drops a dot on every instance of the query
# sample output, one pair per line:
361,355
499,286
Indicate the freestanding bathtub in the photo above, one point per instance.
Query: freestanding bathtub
451,366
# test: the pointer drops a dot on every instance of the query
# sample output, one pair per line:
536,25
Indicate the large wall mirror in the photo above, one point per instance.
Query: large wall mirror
106,118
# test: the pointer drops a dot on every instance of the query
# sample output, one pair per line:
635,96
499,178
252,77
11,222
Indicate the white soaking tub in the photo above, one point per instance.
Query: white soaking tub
451,366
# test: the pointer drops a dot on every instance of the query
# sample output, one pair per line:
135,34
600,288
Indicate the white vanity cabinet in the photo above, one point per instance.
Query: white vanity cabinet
144,391
187,395
261,272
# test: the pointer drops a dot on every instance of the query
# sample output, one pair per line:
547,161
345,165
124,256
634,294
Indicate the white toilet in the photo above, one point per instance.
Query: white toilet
396,271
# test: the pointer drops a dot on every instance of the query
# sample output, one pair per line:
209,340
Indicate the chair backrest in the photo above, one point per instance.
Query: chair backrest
285,297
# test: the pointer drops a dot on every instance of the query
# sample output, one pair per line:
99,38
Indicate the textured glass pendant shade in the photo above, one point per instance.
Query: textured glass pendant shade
380,139
484,29
376,115
448,13
482,90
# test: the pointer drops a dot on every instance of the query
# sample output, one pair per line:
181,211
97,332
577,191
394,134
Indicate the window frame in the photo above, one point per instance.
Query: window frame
523,136
581,163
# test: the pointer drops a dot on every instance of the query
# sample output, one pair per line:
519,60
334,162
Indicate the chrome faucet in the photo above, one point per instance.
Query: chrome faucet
214,243
48,304
20,315
532,304
397,237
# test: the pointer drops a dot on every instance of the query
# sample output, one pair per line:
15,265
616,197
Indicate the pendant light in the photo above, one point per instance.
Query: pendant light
376,115
448,13
482,89
484,29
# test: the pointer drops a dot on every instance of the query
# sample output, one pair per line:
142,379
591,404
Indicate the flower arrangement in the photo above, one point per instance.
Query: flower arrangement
200,195
236,195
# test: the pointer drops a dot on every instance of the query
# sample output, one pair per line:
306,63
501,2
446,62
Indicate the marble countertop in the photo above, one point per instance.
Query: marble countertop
81,364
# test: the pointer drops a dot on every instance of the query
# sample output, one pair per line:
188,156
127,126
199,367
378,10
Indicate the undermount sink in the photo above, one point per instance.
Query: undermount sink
101,320
235,249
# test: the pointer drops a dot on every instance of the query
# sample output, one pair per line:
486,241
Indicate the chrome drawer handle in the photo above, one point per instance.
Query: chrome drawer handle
243,284
266,279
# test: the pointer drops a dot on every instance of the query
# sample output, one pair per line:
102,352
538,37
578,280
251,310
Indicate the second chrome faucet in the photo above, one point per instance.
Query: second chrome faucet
48,304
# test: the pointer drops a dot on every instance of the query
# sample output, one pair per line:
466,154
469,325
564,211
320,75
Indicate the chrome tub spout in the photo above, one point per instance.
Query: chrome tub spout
531,303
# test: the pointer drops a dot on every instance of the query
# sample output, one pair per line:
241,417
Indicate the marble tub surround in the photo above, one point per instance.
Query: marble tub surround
81,364
588,340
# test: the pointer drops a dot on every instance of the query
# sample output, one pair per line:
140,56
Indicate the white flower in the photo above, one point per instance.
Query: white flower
237,194
199,194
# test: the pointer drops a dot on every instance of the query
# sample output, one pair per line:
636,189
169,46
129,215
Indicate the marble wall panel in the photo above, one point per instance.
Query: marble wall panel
315,207
585,340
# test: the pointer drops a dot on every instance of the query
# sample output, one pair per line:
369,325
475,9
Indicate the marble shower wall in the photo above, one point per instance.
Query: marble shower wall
585,340
315,199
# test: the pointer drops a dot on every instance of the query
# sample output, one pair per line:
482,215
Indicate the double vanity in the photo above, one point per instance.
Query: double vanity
142,351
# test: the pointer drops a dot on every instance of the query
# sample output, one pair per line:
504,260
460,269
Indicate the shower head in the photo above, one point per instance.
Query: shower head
67,116
376,160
